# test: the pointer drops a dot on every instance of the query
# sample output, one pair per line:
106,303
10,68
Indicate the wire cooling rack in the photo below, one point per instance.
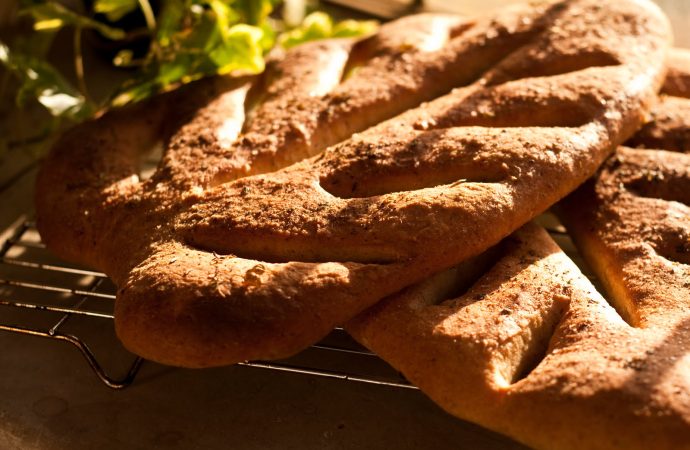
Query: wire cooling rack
40,296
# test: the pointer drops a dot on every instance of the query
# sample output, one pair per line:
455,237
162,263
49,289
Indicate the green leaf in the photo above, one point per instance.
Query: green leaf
213,46
254,12
134,92
268,40
52,16
209,44
175,70
41,81
191,39
354,28
224,15
170,20
318,25
240,50
115,10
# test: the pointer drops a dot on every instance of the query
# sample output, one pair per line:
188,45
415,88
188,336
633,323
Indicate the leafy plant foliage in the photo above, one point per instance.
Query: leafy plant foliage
187,40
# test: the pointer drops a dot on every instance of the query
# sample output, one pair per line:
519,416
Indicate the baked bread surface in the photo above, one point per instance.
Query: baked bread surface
530,349
533,351
285,205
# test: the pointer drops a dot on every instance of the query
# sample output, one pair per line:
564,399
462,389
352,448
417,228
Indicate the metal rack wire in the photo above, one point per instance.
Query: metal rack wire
34,283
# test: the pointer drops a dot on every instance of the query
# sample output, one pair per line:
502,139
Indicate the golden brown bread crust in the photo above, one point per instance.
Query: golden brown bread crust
669,127
632,224
533,351
632,221
215,266
677,81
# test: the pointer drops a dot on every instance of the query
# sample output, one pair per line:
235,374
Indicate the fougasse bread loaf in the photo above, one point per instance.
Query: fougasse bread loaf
531,349
285,205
